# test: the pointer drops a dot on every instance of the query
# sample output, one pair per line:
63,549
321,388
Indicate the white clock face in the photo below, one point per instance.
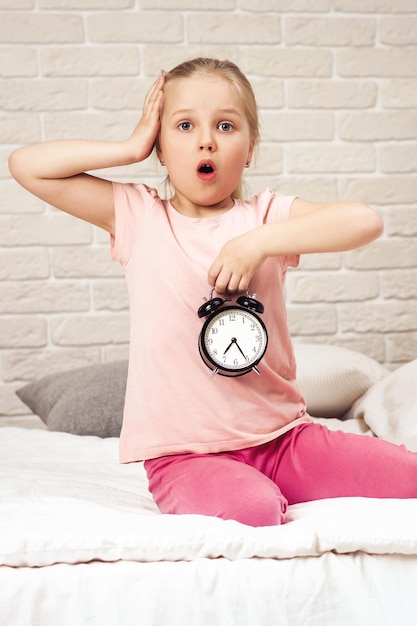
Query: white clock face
234,339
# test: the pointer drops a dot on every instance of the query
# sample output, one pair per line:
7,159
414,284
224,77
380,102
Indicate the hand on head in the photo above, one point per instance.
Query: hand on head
144,137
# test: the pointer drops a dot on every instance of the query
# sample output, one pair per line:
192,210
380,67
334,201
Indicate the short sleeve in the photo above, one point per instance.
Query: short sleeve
277,209
131,206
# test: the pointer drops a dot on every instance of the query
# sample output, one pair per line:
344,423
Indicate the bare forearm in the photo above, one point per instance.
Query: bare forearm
332,228
66,158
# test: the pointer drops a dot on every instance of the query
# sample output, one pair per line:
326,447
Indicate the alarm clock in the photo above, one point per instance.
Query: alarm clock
233,338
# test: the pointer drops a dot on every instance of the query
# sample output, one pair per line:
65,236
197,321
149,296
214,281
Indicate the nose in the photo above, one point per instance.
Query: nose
206,140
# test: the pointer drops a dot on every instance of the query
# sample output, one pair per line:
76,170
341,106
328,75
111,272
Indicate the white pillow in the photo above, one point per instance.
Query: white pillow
332,378
390,407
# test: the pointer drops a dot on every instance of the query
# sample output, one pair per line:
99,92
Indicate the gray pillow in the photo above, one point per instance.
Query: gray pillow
84,401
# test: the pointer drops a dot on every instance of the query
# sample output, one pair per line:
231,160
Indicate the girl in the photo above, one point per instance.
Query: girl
239,448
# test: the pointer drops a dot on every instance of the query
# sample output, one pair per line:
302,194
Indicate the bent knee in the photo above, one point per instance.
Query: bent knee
252,505
268,512
217,487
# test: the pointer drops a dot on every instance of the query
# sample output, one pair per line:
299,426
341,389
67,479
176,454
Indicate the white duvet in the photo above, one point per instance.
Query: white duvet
66,499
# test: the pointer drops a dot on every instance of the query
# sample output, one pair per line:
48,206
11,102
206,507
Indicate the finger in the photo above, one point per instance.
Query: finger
156,86
154,95
213,273
233,284
222,281
243,284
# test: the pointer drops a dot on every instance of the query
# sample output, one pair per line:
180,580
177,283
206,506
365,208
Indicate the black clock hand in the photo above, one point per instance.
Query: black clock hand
239,348
230,345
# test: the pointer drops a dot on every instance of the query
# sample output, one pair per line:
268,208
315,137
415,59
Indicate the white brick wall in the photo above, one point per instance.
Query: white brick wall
336,82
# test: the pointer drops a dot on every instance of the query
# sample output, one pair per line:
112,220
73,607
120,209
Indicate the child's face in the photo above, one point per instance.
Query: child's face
205,142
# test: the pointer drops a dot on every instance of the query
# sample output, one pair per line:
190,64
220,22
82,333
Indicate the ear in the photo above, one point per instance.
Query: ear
159,152
251,150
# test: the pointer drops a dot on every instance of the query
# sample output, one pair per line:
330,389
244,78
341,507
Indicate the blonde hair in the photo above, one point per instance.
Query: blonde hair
204,66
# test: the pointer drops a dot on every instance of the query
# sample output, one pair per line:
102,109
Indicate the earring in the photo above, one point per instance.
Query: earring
247,164
162,162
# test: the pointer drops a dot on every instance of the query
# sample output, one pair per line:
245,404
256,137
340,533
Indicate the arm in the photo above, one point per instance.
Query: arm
55,170
312,227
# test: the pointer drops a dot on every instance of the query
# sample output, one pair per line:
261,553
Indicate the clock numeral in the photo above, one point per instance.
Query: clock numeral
229,348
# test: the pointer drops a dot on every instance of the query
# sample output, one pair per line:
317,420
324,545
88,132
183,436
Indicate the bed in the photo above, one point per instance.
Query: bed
82,543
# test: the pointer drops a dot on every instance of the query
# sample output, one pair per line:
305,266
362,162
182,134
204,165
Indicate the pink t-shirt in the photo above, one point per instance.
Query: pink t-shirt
173,404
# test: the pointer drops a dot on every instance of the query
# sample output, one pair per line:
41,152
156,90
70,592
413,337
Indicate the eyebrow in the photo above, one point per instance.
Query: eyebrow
225,110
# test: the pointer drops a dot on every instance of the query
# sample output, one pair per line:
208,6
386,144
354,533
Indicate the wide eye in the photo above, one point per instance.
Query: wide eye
225,127
185,126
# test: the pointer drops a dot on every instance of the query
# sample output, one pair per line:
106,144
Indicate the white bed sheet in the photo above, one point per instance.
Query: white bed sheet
330,590
81,542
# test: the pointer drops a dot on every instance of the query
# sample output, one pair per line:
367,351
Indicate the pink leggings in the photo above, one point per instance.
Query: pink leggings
255,485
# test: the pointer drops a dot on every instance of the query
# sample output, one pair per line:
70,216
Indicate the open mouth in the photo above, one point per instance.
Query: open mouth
206,171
